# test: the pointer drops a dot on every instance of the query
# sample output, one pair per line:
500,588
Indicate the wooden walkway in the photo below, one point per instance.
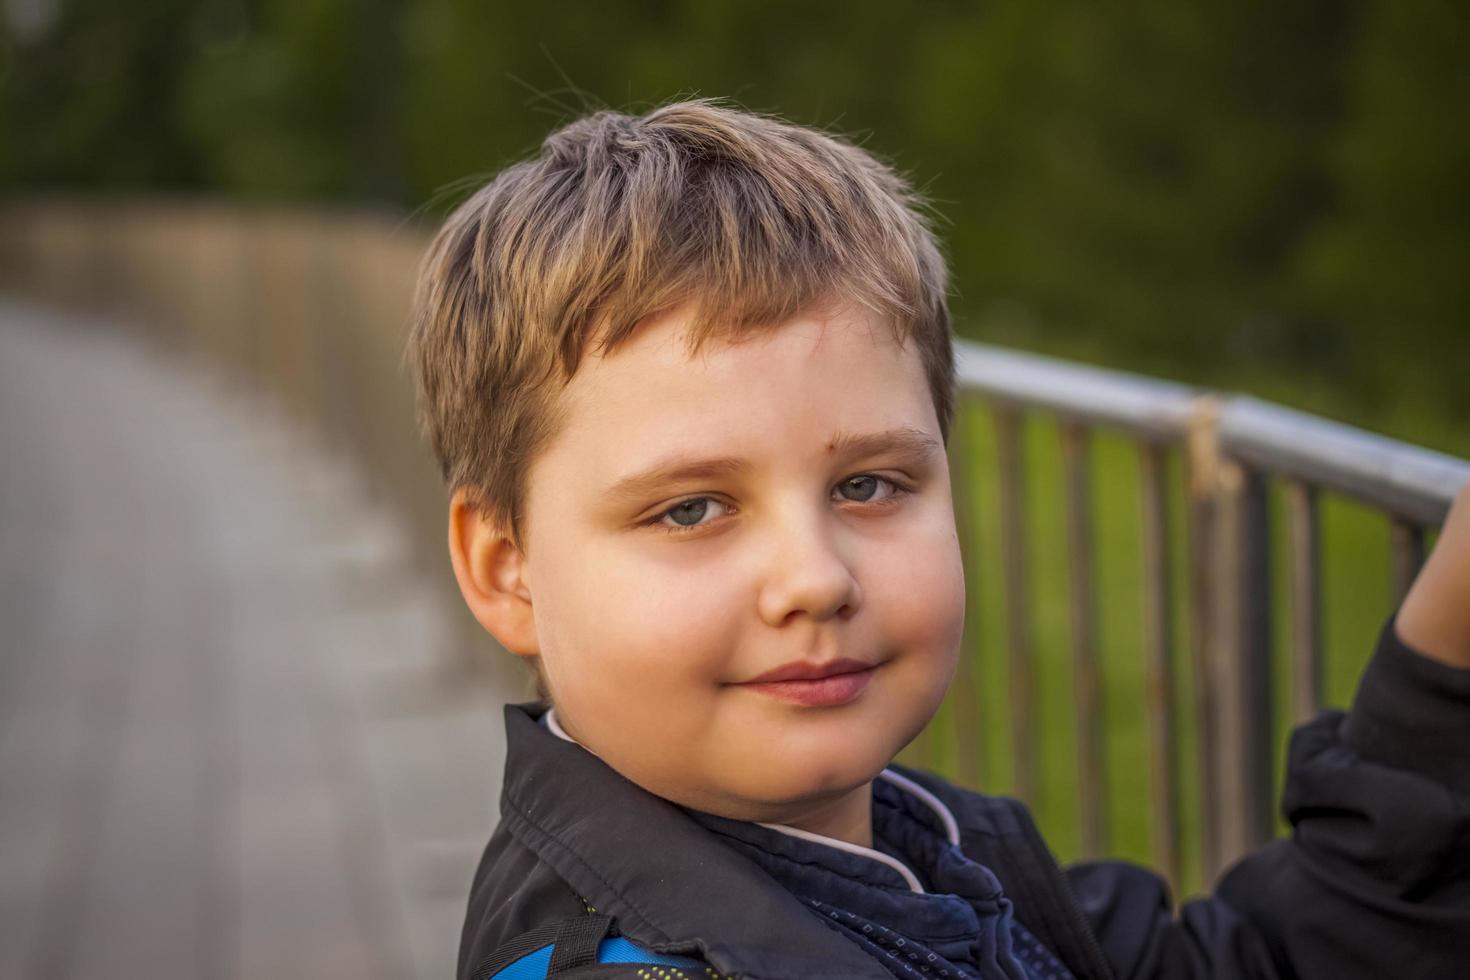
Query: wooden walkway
228,747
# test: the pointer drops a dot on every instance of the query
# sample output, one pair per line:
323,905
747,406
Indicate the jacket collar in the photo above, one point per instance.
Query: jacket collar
667,882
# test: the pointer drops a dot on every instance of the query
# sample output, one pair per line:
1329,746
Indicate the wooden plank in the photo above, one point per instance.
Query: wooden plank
222,692
69,662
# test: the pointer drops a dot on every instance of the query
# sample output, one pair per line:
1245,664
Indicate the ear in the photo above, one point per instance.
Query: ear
492,576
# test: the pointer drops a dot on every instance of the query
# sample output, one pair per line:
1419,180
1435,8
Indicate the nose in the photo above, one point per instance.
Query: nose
807,576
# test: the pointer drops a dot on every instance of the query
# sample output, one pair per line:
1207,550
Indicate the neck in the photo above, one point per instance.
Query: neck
847,818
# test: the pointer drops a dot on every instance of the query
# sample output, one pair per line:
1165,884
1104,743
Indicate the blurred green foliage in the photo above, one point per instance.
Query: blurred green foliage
1232,192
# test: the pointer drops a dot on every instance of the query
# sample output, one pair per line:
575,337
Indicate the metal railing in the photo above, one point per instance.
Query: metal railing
1232,448
313,307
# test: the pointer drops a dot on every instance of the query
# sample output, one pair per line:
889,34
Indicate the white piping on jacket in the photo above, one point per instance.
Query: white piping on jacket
842,845
946,818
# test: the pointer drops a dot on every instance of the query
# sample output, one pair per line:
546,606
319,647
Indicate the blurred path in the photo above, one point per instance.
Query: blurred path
227,744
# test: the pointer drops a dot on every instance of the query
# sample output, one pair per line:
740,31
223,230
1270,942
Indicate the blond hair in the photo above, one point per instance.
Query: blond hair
745,219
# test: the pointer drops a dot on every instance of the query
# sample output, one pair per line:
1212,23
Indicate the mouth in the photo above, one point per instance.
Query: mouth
817,685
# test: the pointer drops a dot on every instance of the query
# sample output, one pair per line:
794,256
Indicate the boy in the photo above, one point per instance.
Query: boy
689,378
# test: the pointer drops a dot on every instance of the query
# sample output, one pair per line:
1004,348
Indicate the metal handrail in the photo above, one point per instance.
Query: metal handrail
1135,403
1403,479
1233,446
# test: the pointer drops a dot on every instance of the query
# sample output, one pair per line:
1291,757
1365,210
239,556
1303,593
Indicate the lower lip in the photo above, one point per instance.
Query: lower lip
823,692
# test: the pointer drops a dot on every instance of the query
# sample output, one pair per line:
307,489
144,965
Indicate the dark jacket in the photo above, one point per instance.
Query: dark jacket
1373,882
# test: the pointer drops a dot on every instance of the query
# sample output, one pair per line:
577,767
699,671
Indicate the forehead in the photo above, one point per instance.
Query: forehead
789,388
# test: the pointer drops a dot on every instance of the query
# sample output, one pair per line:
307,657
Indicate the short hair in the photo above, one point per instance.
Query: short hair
745,219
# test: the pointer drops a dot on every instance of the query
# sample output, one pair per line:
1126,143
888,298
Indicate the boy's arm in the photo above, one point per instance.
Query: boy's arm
1375,878
1412,708
1435,617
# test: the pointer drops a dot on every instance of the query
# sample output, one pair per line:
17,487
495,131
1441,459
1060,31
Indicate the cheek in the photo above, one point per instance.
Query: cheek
921,591
632,612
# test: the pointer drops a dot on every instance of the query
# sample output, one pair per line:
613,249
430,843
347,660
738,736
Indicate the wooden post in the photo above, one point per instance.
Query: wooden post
1306,625
1243,675
1203,450
1158,617
1087,675
1017,595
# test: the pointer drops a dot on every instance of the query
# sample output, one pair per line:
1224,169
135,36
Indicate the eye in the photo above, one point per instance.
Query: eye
689,514
867,488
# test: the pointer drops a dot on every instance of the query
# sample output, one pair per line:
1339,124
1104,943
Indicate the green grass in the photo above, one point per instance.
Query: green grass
1356,596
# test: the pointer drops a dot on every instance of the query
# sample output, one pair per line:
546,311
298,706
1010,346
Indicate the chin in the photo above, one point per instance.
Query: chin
796,777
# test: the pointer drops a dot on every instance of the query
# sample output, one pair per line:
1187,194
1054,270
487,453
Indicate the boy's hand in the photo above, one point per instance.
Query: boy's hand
1435,616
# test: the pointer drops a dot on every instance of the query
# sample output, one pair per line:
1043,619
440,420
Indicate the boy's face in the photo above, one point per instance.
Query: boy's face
812,521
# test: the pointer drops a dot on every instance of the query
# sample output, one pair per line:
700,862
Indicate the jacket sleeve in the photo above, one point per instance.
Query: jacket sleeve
1374,880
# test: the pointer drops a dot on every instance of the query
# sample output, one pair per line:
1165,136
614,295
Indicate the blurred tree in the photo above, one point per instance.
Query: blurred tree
1162,166
1390,264
297,97
88,96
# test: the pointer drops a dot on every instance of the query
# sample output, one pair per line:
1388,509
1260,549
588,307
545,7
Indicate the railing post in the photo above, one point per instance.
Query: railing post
1203,451
1011,461
1087,673
1306,619
1158,641
1242,664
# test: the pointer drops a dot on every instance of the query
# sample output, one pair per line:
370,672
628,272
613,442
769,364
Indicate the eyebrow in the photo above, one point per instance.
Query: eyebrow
913,443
